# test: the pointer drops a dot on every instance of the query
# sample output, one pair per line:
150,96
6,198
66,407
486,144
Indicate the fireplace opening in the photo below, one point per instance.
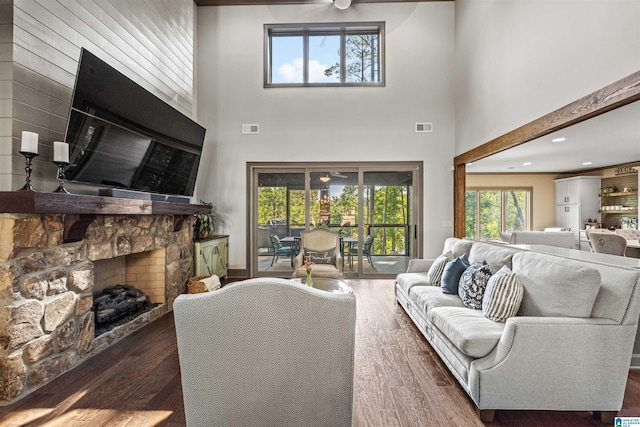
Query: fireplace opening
126,287
118,305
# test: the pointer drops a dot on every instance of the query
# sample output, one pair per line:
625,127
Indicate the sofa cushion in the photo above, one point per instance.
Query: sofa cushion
554,286
472,285
408,280
503,296
457,247
494,255
437,268
429,297
451,274
471,332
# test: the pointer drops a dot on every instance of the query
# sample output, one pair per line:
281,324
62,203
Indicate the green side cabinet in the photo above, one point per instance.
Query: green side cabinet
212,256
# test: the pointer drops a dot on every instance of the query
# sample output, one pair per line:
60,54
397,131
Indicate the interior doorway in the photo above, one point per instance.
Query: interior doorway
375,207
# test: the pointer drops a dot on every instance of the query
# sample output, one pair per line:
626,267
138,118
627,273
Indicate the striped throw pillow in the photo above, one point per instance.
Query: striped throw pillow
503,296
434,276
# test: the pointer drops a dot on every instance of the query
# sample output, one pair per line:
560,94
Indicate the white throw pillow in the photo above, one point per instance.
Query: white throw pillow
503,296
434,276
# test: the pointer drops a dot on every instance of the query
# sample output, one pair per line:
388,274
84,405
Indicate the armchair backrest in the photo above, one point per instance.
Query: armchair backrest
266,351
320,239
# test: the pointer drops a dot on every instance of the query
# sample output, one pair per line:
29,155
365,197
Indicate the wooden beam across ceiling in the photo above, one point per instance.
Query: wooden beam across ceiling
280,2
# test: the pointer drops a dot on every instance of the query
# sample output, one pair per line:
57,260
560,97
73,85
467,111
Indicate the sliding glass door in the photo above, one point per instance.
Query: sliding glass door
371,206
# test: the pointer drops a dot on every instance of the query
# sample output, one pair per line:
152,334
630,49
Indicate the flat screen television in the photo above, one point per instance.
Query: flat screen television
122,136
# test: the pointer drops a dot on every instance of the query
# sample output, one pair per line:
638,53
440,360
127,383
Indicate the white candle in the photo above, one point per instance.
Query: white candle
29,142
60,152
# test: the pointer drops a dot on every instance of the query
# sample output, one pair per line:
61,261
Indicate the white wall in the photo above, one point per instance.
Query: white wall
517,60
325,124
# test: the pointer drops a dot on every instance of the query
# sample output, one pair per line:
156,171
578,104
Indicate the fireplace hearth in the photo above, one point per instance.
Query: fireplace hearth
52,249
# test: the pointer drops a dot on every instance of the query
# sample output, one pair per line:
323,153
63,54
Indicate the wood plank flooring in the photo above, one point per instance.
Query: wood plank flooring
399,381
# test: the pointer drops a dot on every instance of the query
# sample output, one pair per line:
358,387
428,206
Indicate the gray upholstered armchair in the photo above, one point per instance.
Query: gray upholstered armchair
322,247
266,352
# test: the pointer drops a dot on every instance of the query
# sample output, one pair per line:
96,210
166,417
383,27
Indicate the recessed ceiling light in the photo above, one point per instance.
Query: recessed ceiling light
586,163
558,139
469,164
526,164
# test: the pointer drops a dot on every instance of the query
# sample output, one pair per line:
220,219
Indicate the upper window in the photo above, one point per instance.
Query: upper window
347,54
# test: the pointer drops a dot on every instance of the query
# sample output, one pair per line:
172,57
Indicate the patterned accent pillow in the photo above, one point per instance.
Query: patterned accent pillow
472,285
434,276
452,273
326,256
503,296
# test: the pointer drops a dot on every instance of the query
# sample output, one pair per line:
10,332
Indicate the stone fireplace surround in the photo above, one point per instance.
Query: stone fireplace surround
49,244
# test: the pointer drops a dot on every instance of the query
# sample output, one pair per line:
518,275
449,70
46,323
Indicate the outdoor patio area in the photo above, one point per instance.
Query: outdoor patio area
382,265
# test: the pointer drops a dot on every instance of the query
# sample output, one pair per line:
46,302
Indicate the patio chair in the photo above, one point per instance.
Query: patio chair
266,352
322,247
366,249
279,249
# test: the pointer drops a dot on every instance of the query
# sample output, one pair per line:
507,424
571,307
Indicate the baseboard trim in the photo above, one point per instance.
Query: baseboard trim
635,361
237,274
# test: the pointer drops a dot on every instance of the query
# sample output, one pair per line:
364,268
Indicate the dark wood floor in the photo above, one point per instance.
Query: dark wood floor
399,381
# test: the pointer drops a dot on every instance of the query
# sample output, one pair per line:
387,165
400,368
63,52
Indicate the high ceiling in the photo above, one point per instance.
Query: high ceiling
606,140
274,2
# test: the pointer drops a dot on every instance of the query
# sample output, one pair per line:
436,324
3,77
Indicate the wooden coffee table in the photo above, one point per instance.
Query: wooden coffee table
334,286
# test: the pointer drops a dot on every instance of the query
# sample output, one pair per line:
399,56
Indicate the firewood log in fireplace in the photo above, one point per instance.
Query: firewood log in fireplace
113,303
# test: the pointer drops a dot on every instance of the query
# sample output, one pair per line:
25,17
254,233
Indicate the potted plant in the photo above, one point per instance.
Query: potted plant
206,224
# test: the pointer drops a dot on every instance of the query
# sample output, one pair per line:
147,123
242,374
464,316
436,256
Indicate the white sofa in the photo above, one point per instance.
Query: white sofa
562,239
567,348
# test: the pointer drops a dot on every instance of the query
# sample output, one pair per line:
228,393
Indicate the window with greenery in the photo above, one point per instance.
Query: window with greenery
347,54
490,211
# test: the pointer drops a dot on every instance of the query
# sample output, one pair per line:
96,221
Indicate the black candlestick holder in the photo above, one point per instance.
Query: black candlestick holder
28,169
61,177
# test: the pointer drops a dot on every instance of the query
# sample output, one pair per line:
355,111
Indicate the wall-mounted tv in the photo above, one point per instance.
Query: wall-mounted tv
122,136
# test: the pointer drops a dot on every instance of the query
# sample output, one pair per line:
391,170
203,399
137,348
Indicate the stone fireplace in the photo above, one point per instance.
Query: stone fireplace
52,264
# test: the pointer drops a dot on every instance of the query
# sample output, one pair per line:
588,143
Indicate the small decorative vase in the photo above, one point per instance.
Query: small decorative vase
309,279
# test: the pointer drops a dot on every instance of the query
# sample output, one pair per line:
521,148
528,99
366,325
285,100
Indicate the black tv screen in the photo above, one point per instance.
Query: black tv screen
122,136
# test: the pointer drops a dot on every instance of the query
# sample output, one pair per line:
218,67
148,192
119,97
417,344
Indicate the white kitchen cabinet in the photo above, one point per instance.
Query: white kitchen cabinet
577,200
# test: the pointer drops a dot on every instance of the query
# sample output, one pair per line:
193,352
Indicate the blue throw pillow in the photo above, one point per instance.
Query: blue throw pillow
452,273
472,285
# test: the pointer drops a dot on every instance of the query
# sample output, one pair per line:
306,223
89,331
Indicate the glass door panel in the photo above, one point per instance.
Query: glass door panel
388,229
280,220
371,206
333,203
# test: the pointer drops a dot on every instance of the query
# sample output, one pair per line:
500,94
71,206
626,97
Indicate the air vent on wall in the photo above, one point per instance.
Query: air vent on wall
250,129
424,127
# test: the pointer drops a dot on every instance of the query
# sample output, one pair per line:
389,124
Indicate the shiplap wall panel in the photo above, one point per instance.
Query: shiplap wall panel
150,41
105,27
6,89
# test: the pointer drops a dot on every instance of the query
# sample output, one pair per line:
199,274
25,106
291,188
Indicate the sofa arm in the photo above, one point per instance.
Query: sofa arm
419,265
555,363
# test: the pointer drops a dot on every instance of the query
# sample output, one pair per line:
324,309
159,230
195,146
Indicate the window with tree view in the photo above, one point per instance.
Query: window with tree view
324,54
490,211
